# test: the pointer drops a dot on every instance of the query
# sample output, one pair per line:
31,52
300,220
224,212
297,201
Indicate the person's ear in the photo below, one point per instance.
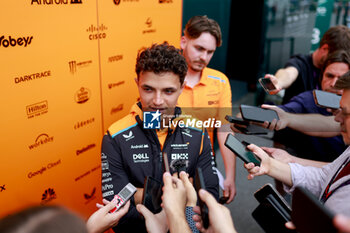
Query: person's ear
136,81
325,48
183,42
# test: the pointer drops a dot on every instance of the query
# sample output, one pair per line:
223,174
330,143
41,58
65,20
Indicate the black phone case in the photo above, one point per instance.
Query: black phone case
236,120
253,113
325,99
309,215
270,219
240,150
199,184
267,191
152,195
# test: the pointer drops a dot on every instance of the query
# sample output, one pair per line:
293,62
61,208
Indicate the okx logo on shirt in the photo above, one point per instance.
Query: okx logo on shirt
151,120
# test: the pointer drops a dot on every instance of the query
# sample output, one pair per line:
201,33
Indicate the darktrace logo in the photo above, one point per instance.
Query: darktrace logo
119,108
90,196
37,109
165,1
2,188
111,85
11,41
41,140
57,2
151,120
48,195
149,24
115,58
73,65
96,33
84,149
116,2
31,77
82,95
84,123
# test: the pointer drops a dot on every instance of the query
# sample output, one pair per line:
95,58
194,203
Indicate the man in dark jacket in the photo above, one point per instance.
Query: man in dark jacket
133,146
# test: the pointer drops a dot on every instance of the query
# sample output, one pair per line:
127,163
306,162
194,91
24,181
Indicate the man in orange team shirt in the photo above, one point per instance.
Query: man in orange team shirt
207,93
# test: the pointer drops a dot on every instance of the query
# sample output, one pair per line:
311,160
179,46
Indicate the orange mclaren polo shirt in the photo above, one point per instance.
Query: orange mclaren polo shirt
208,99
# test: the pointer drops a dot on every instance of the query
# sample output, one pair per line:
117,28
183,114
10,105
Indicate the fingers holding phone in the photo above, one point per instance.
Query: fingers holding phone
264,164
220,219
270,84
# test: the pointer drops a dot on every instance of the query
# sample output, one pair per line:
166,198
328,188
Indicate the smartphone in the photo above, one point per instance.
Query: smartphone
326,99
309,215
268,193
240,150
257,114
267,84
199,184
166,162
236,120
270,219
152,194
123,196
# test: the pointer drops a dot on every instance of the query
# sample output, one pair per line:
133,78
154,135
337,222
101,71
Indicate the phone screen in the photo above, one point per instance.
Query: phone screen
267,84
326,99
253,113
240,150
152,194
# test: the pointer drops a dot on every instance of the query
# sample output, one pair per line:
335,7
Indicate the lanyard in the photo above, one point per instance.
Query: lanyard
326,193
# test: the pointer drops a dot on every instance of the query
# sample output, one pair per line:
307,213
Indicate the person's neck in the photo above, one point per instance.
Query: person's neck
192,77
315,60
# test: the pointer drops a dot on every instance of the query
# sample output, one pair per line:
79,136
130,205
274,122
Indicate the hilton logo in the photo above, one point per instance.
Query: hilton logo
37,109
82,95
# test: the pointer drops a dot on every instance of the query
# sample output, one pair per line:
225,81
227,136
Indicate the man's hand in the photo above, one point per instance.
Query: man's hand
283,121
155,223
174,196
274,80
280,155
220,219
264,167
229,188
191,193
101,220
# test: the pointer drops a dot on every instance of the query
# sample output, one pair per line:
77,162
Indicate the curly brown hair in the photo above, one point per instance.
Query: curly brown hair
161,58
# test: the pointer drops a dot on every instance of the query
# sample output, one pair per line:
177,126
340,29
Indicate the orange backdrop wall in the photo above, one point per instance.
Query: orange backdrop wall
67,73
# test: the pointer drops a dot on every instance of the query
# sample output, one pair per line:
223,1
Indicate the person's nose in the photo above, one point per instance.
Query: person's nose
158,99
204,56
